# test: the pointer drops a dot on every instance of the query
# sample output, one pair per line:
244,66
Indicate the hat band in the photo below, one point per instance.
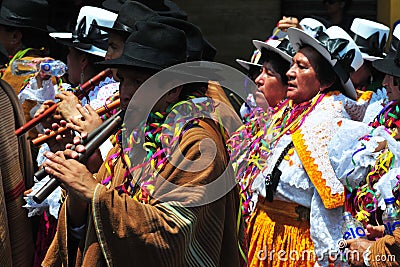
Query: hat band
122,27
14,18
341,72
152,55
371,45
86,43
394,45
286,47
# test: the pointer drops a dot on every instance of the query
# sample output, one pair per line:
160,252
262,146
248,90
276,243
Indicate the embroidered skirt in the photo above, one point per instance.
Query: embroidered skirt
279,235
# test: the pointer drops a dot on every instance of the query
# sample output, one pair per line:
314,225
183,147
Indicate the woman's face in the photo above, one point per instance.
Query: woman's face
74,59
391,84
303,81
270,87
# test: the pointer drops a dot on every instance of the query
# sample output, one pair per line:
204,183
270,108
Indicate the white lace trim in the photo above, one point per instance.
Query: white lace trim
52,203
317,130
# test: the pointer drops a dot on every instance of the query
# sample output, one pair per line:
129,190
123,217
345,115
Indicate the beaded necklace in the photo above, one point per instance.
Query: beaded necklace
157,137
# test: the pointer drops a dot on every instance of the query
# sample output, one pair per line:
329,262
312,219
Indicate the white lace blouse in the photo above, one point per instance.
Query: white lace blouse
295,184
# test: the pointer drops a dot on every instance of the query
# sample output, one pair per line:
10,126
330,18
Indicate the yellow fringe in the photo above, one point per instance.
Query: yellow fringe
273,230
330,200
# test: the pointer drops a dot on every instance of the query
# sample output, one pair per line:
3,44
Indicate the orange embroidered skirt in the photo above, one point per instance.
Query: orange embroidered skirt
279,235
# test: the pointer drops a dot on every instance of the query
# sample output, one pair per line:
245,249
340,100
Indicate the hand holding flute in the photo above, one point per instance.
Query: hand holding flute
65,170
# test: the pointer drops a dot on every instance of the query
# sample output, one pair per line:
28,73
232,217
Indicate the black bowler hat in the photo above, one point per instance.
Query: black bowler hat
194,37
25,14
153,46
162,7
391,64
129,14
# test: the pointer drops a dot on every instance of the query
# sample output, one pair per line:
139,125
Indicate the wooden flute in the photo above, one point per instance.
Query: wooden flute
101,111
92,142
81,91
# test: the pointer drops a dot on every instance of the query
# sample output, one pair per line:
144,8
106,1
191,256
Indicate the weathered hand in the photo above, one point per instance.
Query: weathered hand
75,176
357,248
375,231
90,120
67,106
287,22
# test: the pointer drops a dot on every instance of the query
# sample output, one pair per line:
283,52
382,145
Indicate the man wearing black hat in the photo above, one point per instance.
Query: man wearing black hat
154,215
23,34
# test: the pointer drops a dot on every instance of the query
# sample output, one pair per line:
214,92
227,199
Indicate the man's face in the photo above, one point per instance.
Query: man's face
130,81
361,77
391,84
115,48
6,39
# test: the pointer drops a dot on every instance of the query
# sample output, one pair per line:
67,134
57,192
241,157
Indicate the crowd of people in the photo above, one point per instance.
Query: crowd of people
136,155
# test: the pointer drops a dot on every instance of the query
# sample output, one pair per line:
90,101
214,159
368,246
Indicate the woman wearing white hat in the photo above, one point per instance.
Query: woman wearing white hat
299,197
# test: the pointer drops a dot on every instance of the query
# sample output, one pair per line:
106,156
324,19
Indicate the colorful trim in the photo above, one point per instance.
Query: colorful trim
330,200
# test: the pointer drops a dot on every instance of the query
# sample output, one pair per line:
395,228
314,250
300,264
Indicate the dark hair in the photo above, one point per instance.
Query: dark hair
278,64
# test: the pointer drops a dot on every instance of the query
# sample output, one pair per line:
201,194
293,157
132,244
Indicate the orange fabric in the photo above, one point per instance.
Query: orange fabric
330,200
364,95
274,228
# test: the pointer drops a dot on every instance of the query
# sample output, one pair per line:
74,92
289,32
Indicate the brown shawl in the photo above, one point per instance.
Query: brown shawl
386,251
121,231
16,243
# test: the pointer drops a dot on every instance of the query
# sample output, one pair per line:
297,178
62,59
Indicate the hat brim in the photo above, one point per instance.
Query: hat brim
298,38
365,56
112,5
46,28
247,64
112,30
129,62
65,38
260,44
387,66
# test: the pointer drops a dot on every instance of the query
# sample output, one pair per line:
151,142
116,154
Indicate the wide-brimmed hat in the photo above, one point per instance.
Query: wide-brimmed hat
25,14
129,13
255,61
394,44
281,47
312,26
153,46
370,37
391,64
194,38
338,48
162,7
86,37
